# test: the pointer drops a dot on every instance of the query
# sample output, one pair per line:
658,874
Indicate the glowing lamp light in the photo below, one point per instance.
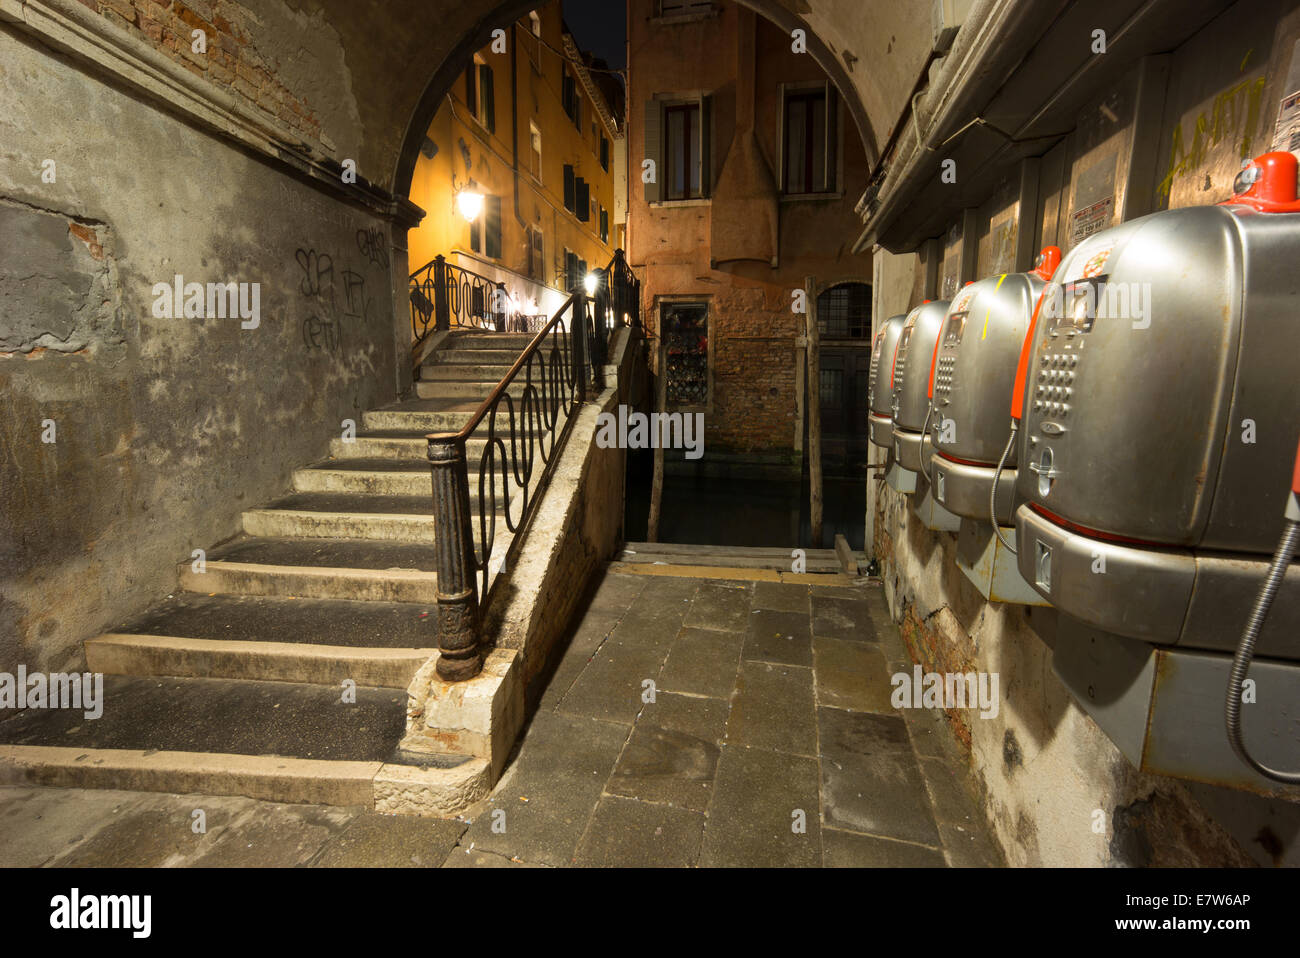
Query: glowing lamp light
590,282
470,204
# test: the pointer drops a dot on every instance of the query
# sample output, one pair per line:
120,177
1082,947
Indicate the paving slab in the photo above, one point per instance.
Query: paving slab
840,618
703,662
719,606
275,836
843,849
773,709
550,790
373,840
752,819
666,766
970,847
779,637
851,675
631,834
611,686
949,796
781,598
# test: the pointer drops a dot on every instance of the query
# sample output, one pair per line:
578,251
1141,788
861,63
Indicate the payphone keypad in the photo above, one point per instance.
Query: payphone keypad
1054,390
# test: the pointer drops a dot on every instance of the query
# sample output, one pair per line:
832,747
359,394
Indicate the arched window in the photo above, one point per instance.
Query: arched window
844,311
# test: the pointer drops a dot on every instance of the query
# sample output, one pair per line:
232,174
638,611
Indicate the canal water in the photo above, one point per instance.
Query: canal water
700,510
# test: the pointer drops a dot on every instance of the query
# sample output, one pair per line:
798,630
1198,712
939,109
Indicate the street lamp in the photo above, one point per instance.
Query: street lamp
470,204
590,282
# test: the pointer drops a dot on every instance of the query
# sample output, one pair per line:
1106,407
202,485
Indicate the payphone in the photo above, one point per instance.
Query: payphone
1159,409
910,382
880,416
974,370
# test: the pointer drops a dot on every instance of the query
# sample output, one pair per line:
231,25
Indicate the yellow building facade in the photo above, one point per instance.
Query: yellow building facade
529,128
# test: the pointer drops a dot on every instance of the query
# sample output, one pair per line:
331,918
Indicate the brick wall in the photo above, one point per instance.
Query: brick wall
231,61
754,362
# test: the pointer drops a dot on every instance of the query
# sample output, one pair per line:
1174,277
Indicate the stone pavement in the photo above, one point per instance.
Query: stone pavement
769,709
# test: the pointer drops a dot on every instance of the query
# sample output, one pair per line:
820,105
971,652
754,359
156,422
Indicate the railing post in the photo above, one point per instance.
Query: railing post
499,300
458,646
600,332
441,312
578,343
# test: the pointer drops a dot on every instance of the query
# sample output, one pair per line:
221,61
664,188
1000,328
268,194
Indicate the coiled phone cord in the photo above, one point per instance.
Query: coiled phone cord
993,494
1246,651
925,431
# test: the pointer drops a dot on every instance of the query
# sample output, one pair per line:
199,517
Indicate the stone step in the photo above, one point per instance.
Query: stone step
285,719
736,557
379,476
274,741
251,618
420,416
504,358
283,639
395,444
311,582
317,515
516,342
467,372
466,390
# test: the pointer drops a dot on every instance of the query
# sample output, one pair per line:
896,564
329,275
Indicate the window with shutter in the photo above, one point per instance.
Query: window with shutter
808,151
583,199
536,254
471,87
487,96
569,188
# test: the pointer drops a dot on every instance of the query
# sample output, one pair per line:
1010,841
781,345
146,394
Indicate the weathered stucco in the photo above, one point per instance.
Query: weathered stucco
164,428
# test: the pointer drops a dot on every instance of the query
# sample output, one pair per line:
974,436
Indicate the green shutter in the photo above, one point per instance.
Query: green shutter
489,99
492,228
568,188
582,196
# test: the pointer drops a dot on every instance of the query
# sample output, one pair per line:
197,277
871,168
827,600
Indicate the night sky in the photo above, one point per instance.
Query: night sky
599,26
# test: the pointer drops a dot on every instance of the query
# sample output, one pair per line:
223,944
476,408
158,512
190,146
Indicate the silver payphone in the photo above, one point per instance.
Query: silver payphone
1160,409
974,370
910,381
880,416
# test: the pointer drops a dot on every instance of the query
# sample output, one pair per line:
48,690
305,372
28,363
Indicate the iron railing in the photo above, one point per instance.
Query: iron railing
525,419
444,295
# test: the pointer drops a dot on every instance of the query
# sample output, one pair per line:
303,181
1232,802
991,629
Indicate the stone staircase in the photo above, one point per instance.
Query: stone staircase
280,669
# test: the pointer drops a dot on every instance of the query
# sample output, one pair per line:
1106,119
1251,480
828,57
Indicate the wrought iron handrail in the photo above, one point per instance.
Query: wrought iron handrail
555,381
555,375
444,294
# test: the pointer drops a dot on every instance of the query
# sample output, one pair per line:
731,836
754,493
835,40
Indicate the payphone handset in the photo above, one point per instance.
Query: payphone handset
910,402
972,370
879,389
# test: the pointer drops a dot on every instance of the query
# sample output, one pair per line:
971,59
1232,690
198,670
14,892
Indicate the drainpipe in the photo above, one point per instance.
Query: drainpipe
514,113
979,58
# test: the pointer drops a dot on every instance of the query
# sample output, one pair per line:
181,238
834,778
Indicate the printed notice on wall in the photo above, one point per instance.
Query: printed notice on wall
1094,198
1286,134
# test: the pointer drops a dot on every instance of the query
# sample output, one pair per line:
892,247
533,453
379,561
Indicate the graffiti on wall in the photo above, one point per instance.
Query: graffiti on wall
1231,117
335,298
